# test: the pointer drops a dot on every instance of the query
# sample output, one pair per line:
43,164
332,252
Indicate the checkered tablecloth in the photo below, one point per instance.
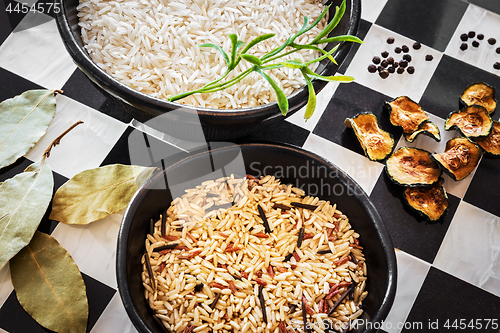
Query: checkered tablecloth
448,272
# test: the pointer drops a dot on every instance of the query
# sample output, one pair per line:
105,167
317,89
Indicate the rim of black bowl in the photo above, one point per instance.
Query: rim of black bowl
152,104
359,193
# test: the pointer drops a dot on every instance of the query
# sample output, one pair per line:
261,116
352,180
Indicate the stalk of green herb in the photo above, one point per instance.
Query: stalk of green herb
265,63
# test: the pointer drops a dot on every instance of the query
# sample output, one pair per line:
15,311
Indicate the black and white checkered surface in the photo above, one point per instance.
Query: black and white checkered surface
448,272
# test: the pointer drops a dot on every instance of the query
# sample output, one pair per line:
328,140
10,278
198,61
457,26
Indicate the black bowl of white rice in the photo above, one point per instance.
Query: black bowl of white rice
141,52
219,238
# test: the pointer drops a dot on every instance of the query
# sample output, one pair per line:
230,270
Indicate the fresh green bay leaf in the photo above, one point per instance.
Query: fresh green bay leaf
23,202
49,285
94,194
25,119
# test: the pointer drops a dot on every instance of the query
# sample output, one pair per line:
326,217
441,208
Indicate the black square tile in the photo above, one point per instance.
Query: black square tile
112,109
10,16
81,89
444,300
14,319
450,79
364,26
483,189
347,101
493,5
16,84
430,22
410,232
282,132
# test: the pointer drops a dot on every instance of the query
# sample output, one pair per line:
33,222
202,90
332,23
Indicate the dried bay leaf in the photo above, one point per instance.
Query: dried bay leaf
25,119
94,194
49,285
23,202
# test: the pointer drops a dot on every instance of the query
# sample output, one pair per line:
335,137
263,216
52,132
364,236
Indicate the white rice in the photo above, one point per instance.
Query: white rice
153,45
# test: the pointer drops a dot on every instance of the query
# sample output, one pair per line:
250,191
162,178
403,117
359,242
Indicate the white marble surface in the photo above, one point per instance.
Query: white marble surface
114,318
457,188
411,275
37,54
86,146
471,248
93,246
5,284
484,22
371,9
360,168
396,84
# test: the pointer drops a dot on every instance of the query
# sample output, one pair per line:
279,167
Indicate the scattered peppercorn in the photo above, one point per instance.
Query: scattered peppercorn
380,68
376,60
401,70
384,74
471,34
475,43
390,40
464,46
372,68
385,54
497,50
480,36
464,37
496,65
390,60
396,64
492,41
410,70
398,50
391,69
403,63
384,63
429,57
407,57
405,48
417,46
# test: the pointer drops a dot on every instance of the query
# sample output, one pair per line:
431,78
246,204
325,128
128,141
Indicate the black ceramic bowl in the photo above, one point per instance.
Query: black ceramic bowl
216,124
259,159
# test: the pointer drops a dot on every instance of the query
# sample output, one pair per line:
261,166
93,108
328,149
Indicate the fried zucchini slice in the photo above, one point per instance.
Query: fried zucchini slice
406,113
376,143
479,93
459,158
428,201
428,128
412,167
472,121
491,143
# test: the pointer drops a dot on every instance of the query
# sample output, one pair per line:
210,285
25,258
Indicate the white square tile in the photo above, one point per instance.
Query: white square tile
93,246
411,275
86,146
482,22
396,84
457,188
360,168
114,318
471,248
37,54
323,98
371,9
6,286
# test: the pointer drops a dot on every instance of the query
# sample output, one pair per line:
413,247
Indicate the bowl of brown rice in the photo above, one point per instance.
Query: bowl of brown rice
290,244
141,52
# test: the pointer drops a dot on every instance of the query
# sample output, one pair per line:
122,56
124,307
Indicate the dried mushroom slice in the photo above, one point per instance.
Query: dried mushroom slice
429,201
481,94
406,113
376,143
428,128
459,158
471,121
412,167
491,143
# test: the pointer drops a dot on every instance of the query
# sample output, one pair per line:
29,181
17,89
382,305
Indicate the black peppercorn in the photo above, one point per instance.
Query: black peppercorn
384,63
471,34
407,57
492,41
405,48
475,43
384,74
417,46
401,70
464,46
390,40
372,68
385,54
376,60
391,69
380,68
429,57
390,60
396,64
403,63
480,36
398,50
464,37
497,50
496,65
410,70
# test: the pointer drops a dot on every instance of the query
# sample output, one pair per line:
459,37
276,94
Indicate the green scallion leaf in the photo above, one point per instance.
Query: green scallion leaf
342,38
280,95
311,101
218,48
252,59
339,13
